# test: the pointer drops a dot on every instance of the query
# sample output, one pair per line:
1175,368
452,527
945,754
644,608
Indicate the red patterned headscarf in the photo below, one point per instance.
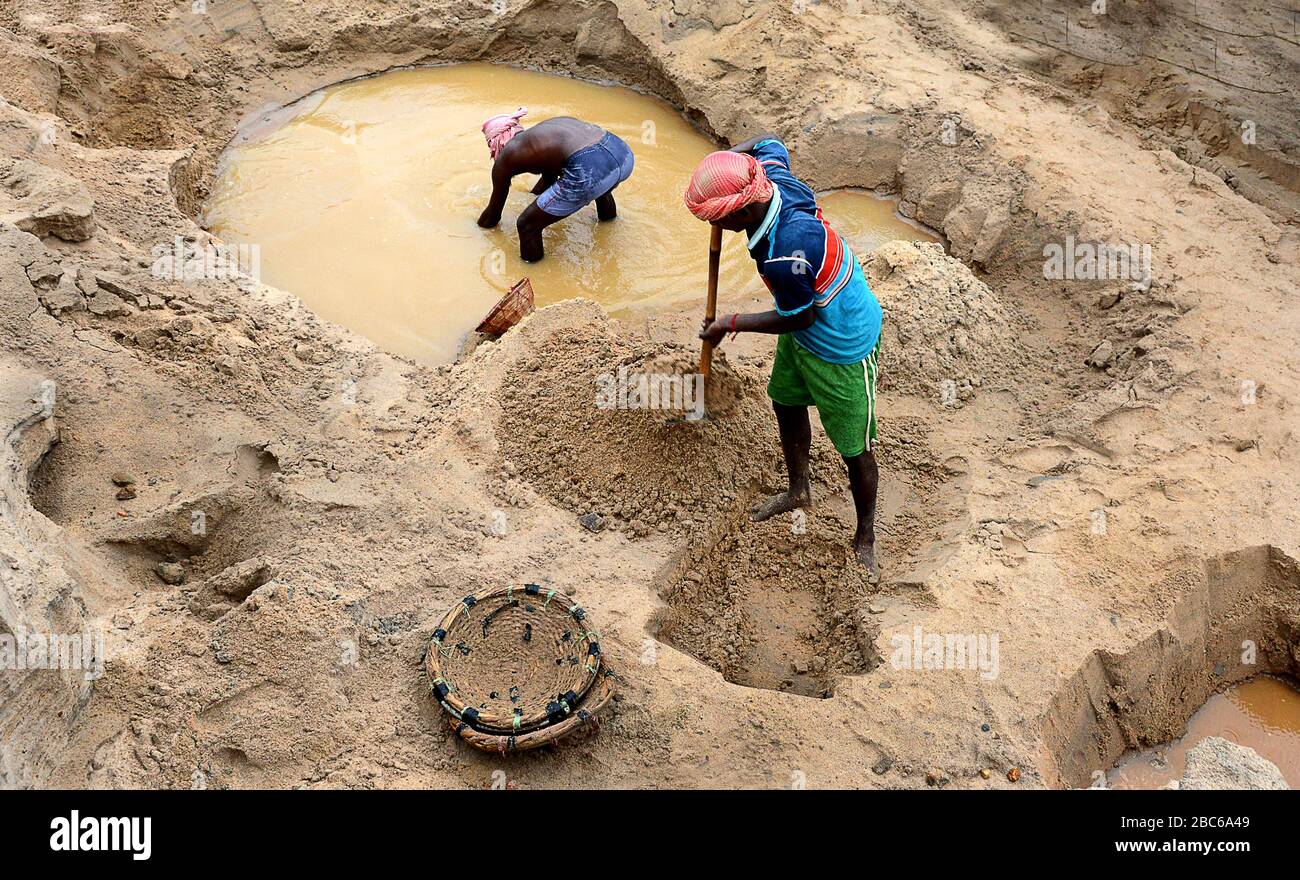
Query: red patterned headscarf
498,130
724,183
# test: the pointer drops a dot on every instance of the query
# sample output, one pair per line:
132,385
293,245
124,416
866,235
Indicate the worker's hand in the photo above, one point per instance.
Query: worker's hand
488,220
713,331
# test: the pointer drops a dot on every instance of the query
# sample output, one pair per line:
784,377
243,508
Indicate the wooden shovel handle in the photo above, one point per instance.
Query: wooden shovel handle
711,304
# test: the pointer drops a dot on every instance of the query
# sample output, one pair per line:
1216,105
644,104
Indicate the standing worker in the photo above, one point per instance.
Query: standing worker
579,163
827,318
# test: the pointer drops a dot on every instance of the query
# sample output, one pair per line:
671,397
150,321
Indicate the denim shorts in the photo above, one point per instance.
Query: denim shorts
587,175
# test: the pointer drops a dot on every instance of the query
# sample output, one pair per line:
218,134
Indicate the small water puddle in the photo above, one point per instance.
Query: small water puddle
1262,713
363,200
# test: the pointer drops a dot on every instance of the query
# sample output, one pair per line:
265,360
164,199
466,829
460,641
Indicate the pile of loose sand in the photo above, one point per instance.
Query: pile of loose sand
572,426
945,332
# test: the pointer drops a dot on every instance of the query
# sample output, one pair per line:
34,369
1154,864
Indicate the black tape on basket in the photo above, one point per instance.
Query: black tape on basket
470,714
593,650
532,589
440,634
441,690
555,712
493,616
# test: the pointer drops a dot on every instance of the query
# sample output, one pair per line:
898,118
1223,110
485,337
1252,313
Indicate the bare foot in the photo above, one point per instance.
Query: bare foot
865,547
782,503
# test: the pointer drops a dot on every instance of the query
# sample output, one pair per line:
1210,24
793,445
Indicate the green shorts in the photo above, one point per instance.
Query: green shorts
844,394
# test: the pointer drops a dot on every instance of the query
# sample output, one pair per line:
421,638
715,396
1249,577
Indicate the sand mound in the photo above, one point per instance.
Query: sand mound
945,332
1217,764
603,423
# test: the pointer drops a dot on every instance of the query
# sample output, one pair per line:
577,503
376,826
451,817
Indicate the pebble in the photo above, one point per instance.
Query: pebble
1102,354
170,572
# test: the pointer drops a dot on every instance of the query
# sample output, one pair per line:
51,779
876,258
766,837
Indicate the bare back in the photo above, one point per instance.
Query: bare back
545,147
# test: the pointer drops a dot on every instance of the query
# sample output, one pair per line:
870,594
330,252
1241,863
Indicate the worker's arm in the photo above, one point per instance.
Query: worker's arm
791,281
757,322
502,172
748,146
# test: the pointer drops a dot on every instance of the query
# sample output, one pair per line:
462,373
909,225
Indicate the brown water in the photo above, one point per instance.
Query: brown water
363,197
1263,713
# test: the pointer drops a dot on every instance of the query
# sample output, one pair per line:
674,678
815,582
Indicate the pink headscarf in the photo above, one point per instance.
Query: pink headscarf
501,128
724,183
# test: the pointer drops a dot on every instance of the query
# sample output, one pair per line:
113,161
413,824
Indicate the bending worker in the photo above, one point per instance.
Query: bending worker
579,163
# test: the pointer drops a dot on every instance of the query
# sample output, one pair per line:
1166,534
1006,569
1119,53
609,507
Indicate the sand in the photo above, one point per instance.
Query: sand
1115,496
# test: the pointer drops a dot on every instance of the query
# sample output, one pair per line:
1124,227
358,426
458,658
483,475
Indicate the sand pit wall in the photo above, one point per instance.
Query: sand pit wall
41,609
1213,82
188,82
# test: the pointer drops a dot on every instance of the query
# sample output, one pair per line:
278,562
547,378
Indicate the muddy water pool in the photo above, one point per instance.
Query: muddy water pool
363,198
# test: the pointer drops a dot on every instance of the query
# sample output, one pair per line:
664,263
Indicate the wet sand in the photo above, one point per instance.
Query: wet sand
1263,713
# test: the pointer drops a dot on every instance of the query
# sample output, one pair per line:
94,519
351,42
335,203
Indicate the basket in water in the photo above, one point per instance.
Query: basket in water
509,310
517,667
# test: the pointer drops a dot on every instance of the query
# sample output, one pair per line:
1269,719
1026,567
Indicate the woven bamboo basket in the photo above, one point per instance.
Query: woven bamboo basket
511,661
509,310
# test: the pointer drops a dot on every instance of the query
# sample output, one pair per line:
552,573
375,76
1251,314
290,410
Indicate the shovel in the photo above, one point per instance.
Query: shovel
711,313
711,304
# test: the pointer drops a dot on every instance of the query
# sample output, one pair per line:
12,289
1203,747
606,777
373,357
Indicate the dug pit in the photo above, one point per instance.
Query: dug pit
1239,619
771,606
784,605
363,198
